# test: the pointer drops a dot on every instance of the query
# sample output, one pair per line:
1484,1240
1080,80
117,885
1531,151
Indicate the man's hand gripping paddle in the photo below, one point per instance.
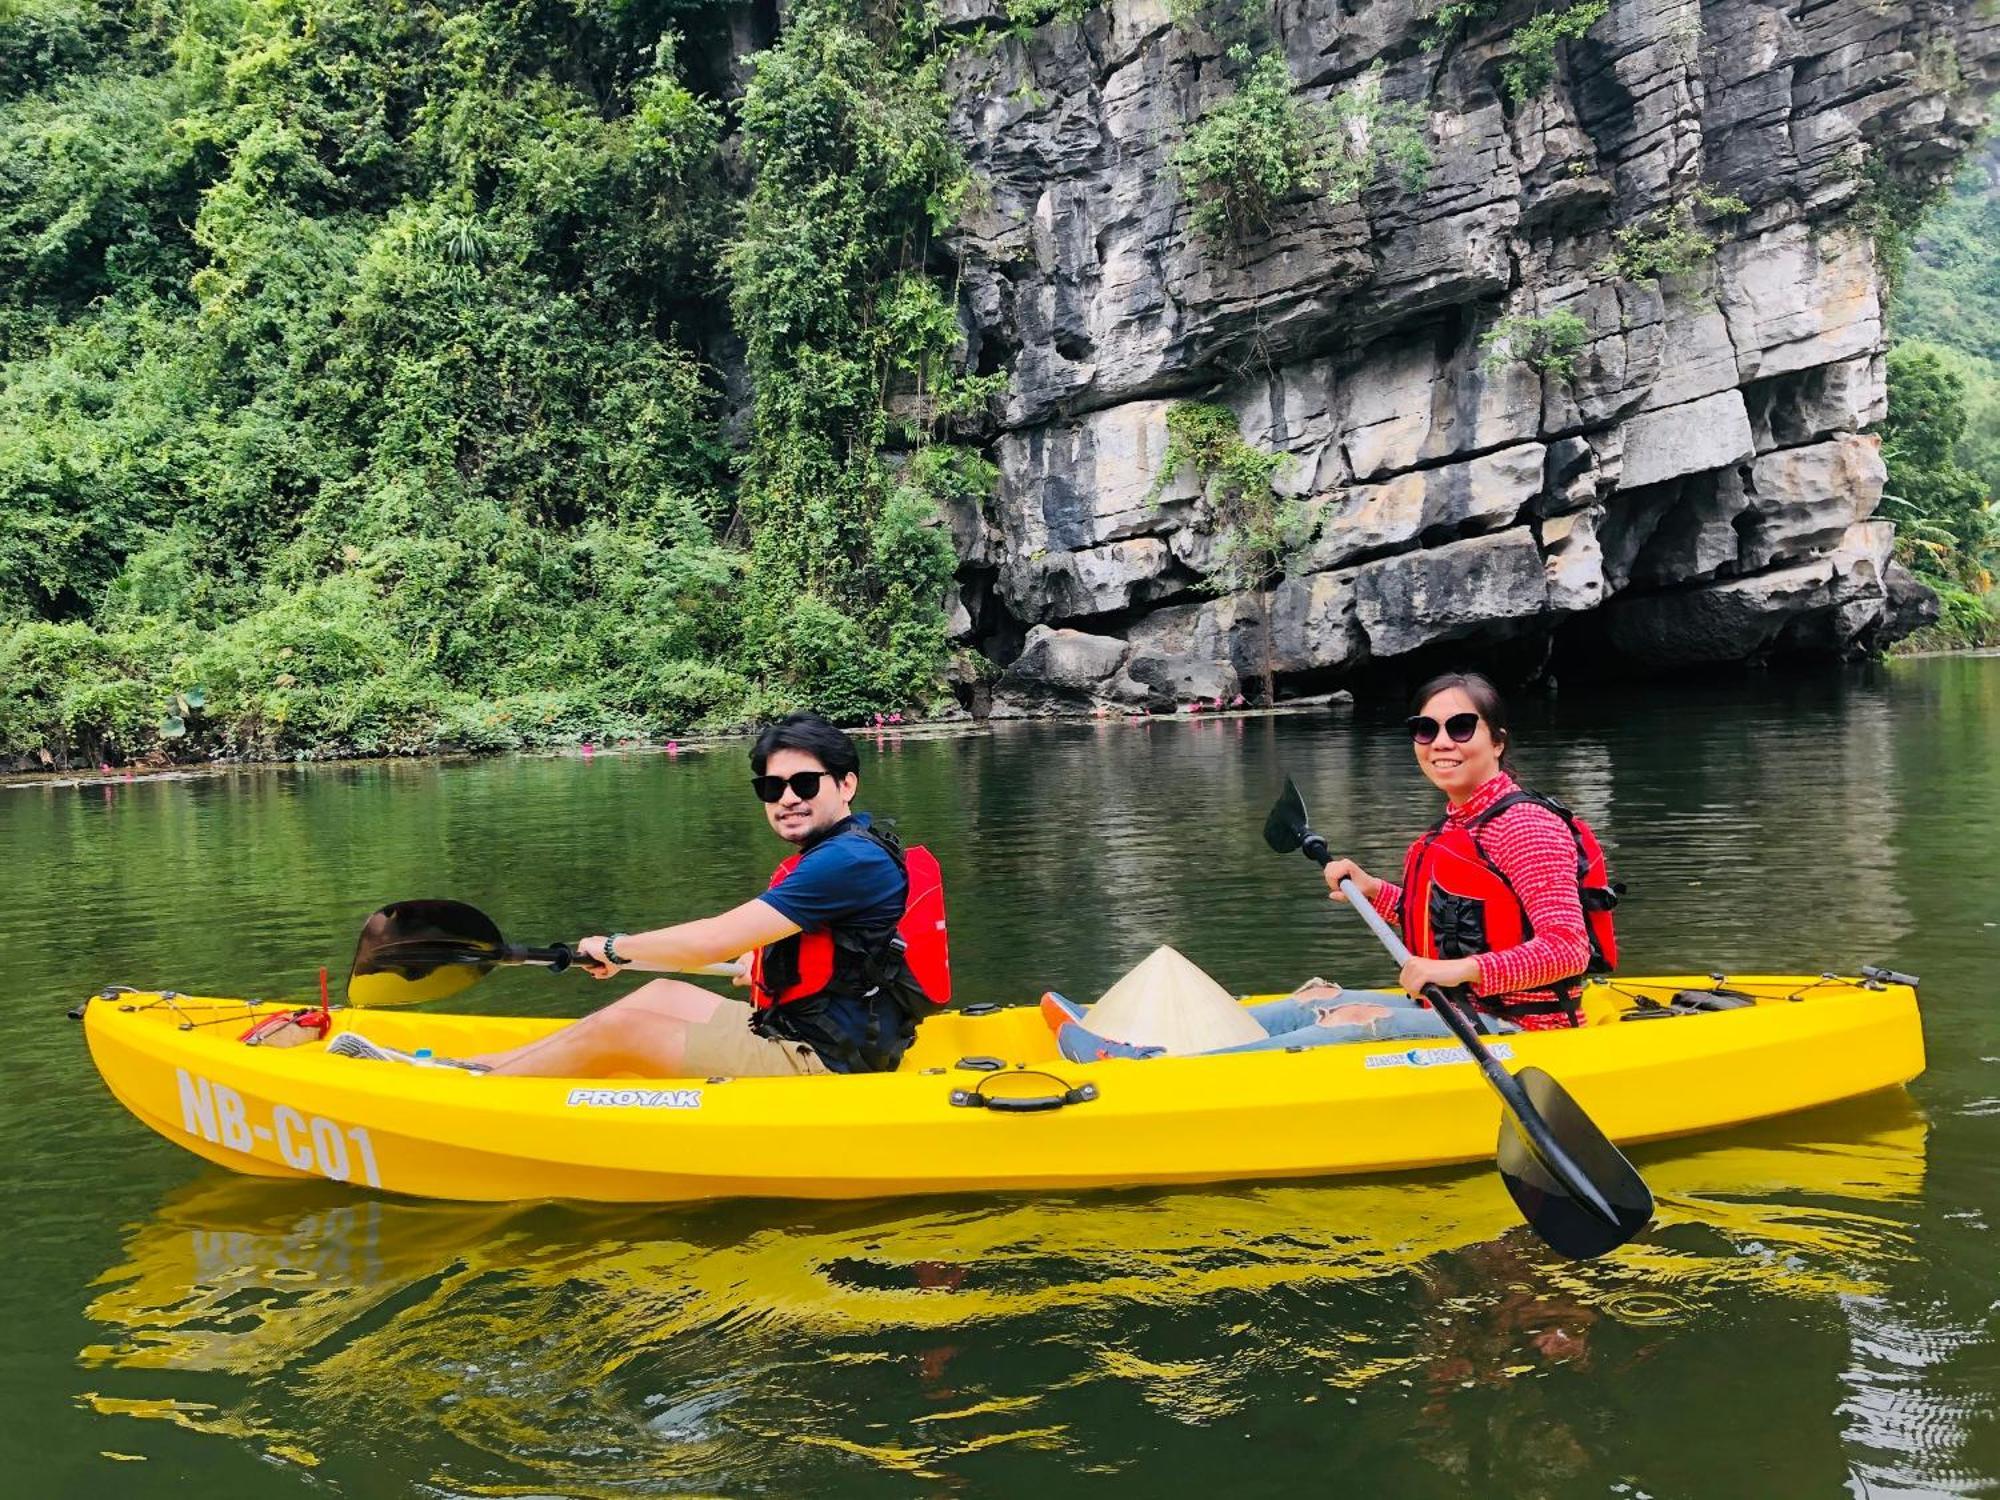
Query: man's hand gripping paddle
427,950
1575,1189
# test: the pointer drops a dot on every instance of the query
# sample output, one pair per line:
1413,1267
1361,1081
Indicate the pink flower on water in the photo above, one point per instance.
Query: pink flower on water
105,766
673,747
589,749
896,718
1237,701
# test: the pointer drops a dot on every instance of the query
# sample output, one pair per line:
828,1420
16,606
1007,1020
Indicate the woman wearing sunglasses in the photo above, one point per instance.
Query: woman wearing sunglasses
1491,900
838,988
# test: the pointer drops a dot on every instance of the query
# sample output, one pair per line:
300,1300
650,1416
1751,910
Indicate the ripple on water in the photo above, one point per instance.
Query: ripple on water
1644,1307
590,1349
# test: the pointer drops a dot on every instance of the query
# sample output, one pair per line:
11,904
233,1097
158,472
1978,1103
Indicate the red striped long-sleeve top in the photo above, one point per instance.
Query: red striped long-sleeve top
1534,850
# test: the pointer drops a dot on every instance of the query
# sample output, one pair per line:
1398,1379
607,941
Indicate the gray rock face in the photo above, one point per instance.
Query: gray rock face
1712,433
1828,604
1694,488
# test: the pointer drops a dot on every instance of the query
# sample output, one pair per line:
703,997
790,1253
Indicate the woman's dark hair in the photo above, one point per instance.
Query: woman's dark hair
1485,697
818,737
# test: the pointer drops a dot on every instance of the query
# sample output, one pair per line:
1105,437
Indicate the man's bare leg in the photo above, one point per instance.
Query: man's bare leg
645,1034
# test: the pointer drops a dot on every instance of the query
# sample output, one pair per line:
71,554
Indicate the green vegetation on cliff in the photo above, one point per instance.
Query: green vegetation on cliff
1263,146
1548,344
1531,64
360,368
1255,528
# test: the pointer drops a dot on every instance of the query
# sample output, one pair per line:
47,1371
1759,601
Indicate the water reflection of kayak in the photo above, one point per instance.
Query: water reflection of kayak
244,1277
442,1133
593,1350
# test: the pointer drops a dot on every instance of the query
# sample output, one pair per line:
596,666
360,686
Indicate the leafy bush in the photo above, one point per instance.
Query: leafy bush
1546,344
1256,528
1025,15
1233,23
1670,241
1456,13
69,692
1531,65
1264,144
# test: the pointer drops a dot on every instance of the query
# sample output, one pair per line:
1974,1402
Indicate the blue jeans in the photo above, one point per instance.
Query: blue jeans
1295,1023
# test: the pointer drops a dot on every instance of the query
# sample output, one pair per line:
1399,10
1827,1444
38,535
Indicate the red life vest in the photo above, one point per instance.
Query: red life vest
1457,903
905,969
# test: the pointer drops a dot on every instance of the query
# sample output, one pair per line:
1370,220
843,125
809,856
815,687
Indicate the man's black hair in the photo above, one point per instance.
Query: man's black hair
818,737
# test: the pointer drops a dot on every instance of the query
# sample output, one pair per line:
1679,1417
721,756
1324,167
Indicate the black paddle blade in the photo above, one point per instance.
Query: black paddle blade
1569,1225
422,950
1286,828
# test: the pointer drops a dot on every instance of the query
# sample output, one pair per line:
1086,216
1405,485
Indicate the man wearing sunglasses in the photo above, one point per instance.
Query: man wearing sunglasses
834,990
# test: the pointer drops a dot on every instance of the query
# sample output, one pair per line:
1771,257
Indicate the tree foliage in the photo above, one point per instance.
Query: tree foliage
1948,530
1949,293
851,344
1942,437
1547,344
359,365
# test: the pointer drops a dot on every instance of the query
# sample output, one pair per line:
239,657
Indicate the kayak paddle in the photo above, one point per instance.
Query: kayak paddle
1575,1189
414,951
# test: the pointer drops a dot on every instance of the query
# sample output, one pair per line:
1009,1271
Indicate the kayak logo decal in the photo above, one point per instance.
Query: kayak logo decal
1433,1057
634,1099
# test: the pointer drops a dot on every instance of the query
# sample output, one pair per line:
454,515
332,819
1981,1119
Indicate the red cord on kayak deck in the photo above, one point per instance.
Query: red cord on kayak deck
289,1028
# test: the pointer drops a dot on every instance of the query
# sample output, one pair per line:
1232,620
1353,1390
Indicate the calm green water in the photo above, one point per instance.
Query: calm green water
1813,1314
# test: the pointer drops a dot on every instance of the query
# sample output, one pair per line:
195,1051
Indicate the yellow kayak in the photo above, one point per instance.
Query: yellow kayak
983,1102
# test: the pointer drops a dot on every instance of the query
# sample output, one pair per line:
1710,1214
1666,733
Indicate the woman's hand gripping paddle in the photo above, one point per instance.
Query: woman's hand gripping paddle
426,950
1575,1189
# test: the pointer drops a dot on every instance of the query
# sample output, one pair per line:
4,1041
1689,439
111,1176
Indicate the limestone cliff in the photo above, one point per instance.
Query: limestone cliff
1698,487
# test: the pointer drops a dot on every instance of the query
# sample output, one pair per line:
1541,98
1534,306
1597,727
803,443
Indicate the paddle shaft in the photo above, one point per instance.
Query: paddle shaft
1503,1083
560,956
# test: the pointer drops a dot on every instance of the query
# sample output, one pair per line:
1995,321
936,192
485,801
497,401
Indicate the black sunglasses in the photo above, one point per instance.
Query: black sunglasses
804,785
1458,728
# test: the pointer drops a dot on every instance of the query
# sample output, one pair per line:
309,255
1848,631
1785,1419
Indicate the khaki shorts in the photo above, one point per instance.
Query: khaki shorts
724,1046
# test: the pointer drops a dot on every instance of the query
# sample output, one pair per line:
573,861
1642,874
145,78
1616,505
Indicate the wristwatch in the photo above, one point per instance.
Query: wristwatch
611,950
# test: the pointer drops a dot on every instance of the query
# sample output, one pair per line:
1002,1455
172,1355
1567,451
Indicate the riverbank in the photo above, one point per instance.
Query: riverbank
942,727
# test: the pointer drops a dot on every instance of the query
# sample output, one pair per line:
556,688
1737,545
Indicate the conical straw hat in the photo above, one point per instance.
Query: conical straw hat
1167,1002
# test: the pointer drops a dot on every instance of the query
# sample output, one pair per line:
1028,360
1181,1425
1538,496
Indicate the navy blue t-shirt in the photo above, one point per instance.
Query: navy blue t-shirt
843,880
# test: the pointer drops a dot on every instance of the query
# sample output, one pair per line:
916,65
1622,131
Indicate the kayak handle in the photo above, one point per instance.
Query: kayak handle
1023,1104
1888,976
